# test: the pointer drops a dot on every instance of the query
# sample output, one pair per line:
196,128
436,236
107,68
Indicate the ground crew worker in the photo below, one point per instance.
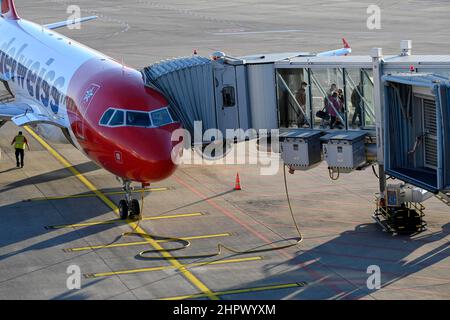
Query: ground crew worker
19,143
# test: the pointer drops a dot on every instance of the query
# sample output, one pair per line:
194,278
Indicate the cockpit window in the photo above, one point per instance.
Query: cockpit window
117,119
161,117
105,119
138,119
173,115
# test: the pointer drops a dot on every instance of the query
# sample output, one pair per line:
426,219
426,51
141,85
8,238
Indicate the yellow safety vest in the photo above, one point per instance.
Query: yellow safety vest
20,142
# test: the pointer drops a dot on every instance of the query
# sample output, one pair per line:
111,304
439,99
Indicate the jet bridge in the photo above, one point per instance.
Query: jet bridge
223,93
395,106
417,129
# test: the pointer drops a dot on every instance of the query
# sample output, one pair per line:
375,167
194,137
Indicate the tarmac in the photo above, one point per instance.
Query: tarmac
58,211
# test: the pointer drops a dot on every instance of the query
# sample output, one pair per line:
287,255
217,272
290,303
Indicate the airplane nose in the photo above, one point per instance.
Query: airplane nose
151,151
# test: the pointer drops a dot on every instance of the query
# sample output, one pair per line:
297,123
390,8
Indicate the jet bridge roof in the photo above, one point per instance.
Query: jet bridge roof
305,59
418,59
416,79
271,57
329,62
433,63
263,58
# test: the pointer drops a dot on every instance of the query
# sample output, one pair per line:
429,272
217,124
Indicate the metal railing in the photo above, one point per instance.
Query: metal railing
370,109
285,85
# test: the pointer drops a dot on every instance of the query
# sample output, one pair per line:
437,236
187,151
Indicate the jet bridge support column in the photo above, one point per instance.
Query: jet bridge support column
377,60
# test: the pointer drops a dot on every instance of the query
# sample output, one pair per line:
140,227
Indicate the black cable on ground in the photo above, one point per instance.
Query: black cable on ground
220,247
332,175
375,172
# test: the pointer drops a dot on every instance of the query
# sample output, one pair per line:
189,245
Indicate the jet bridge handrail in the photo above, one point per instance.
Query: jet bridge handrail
292,96
347,76
324,94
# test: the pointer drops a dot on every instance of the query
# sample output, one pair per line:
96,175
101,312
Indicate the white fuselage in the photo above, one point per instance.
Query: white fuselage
39,64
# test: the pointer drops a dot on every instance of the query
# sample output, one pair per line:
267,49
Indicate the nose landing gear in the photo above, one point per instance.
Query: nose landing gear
129,207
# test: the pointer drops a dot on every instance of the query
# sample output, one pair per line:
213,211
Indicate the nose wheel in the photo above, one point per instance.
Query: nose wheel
123,209
128,207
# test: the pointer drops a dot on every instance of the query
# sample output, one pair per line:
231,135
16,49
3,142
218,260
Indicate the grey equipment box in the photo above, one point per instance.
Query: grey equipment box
301,148
344,150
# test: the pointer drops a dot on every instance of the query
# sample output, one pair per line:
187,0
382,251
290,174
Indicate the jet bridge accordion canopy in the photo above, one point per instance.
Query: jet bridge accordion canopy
417,129
188,84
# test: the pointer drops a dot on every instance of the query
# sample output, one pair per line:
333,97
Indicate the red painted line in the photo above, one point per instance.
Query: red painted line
229,214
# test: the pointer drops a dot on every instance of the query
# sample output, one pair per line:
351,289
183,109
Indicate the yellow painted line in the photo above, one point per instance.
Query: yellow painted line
238,291
152,269
89,195
139,243
175,263
96,223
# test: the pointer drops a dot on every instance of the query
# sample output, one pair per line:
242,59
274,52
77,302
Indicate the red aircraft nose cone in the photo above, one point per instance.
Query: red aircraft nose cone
149,153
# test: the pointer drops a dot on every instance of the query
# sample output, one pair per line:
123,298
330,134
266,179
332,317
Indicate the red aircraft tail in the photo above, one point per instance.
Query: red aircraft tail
8,9
346,45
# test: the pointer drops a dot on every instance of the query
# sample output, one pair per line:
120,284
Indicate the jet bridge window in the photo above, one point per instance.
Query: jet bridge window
138,119
342,98
229,96
293,98
328,98
359,94
161,117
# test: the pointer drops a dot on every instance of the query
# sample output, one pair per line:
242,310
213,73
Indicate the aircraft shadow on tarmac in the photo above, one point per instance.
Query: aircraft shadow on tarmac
25,227
344,261
15,217
26,220
63,173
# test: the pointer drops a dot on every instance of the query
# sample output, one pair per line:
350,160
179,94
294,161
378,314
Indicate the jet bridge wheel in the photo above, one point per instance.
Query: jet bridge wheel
123,209
135,209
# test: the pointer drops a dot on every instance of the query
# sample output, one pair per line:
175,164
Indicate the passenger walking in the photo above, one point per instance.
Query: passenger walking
356,103
19,143
333,107
341,97
301,99
341,109
332,89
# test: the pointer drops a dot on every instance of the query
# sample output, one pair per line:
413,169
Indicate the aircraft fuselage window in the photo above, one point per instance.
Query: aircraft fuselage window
161,117
117,119
138,119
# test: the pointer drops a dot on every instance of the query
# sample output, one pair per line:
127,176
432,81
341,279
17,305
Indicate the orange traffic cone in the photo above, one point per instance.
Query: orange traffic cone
238,183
